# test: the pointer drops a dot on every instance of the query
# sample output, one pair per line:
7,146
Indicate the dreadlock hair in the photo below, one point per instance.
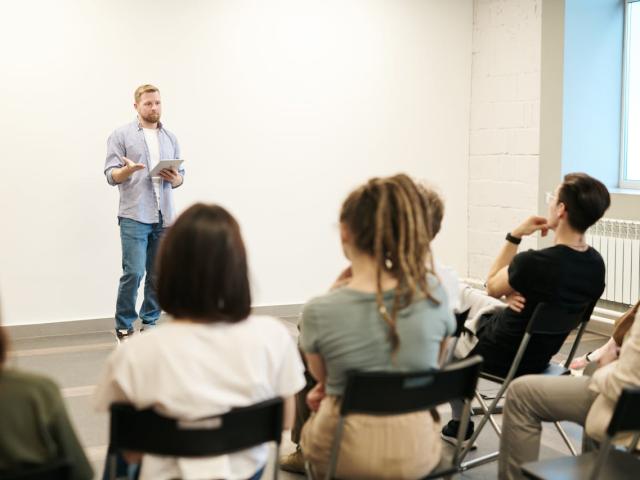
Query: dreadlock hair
387,218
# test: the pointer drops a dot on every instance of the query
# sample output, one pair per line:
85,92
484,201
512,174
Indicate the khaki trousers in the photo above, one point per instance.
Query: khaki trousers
531,400
396,447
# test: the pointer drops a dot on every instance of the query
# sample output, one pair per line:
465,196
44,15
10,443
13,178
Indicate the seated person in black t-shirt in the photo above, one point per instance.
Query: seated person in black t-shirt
569,272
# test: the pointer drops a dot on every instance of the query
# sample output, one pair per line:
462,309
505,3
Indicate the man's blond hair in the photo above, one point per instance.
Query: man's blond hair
144,89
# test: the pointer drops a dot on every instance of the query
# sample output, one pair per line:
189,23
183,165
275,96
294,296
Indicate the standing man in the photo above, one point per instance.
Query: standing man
146,203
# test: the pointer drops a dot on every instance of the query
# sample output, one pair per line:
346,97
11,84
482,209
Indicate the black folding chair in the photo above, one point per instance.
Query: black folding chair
58,470
608,462
148,432
548,320
394,393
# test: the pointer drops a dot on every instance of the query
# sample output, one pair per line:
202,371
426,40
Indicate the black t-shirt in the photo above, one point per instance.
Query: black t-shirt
558,274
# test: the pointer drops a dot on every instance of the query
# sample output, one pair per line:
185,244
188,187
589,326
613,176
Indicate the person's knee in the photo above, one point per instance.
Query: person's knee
519,391
133,270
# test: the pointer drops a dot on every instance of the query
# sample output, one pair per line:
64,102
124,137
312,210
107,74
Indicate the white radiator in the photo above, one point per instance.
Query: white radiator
618,241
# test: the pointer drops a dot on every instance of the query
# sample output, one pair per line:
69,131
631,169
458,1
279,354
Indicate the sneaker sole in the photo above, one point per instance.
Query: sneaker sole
454,441
291,469
123,338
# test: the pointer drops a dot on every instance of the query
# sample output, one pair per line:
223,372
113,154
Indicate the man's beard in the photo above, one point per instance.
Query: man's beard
151,118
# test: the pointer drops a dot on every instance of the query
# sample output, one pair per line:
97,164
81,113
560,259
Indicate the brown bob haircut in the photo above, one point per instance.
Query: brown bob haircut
202,267
585,199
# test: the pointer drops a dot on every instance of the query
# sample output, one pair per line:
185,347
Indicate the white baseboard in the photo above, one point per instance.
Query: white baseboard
75,327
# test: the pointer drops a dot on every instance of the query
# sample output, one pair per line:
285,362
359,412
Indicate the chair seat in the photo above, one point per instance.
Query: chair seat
619,466
553,369
556,370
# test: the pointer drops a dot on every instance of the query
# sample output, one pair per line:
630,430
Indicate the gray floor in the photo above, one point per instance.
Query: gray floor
75,362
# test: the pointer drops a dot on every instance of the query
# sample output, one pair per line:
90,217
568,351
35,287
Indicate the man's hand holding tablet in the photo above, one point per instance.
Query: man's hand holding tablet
171,175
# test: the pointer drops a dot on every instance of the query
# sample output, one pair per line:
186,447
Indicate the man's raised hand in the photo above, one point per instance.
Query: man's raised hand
132,166
531,225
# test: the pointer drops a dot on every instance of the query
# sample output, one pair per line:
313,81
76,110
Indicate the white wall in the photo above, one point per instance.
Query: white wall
505,125
281,108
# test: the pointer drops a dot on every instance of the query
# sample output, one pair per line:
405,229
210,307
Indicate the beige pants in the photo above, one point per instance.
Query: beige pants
531,400
372,447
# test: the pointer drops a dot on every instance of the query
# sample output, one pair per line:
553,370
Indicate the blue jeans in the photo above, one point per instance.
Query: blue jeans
139,246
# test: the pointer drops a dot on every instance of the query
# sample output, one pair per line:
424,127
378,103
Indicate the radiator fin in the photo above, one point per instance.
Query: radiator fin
618,241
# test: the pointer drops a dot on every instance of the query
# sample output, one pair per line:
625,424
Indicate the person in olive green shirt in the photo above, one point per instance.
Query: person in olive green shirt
34,427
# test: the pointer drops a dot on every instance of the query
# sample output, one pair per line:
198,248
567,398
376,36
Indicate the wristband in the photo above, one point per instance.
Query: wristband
511,239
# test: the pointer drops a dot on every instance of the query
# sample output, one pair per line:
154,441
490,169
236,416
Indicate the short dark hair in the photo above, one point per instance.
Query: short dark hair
202,267
585,199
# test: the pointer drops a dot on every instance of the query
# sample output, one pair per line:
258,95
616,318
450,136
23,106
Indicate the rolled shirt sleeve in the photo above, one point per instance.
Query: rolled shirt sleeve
115,152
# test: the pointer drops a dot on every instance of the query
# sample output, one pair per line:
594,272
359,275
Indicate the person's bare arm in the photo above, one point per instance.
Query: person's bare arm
515,301
119,175
289,413
498,278
315,364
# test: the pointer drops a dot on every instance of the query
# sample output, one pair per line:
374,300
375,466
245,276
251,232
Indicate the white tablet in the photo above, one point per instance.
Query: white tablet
162,164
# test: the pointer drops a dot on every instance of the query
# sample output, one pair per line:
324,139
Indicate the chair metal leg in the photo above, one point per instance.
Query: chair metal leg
505,384
476,462
576,342
464,422
602,458
478,411
335,449
495,426
276,467
308,470
486,418
566,439
112,466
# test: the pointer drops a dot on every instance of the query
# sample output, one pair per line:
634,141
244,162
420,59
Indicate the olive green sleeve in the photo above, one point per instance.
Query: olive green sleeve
69,447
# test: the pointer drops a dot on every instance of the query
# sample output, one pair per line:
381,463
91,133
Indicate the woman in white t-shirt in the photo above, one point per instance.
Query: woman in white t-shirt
214,355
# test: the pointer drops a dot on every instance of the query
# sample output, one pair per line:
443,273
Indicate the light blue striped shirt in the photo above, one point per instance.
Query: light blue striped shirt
137,198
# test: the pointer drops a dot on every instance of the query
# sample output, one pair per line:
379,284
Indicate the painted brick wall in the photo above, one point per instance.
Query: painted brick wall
504,125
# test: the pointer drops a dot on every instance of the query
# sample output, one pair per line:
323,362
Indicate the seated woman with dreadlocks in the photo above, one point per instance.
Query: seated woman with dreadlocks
391,315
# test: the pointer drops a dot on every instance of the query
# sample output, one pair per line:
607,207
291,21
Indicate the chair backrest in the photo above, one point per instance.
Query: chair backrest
388,393
626,416
240,428
58,470
549,326
557,318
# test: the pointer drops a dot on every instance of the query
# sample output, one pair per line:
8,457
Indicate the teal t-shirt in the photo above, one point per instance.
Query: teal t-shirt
346,329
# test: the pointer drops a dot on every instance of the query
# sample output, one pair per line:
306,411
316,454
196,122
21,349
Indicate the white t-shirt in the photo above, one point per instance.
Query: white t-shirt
451,284
153,144
191,370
